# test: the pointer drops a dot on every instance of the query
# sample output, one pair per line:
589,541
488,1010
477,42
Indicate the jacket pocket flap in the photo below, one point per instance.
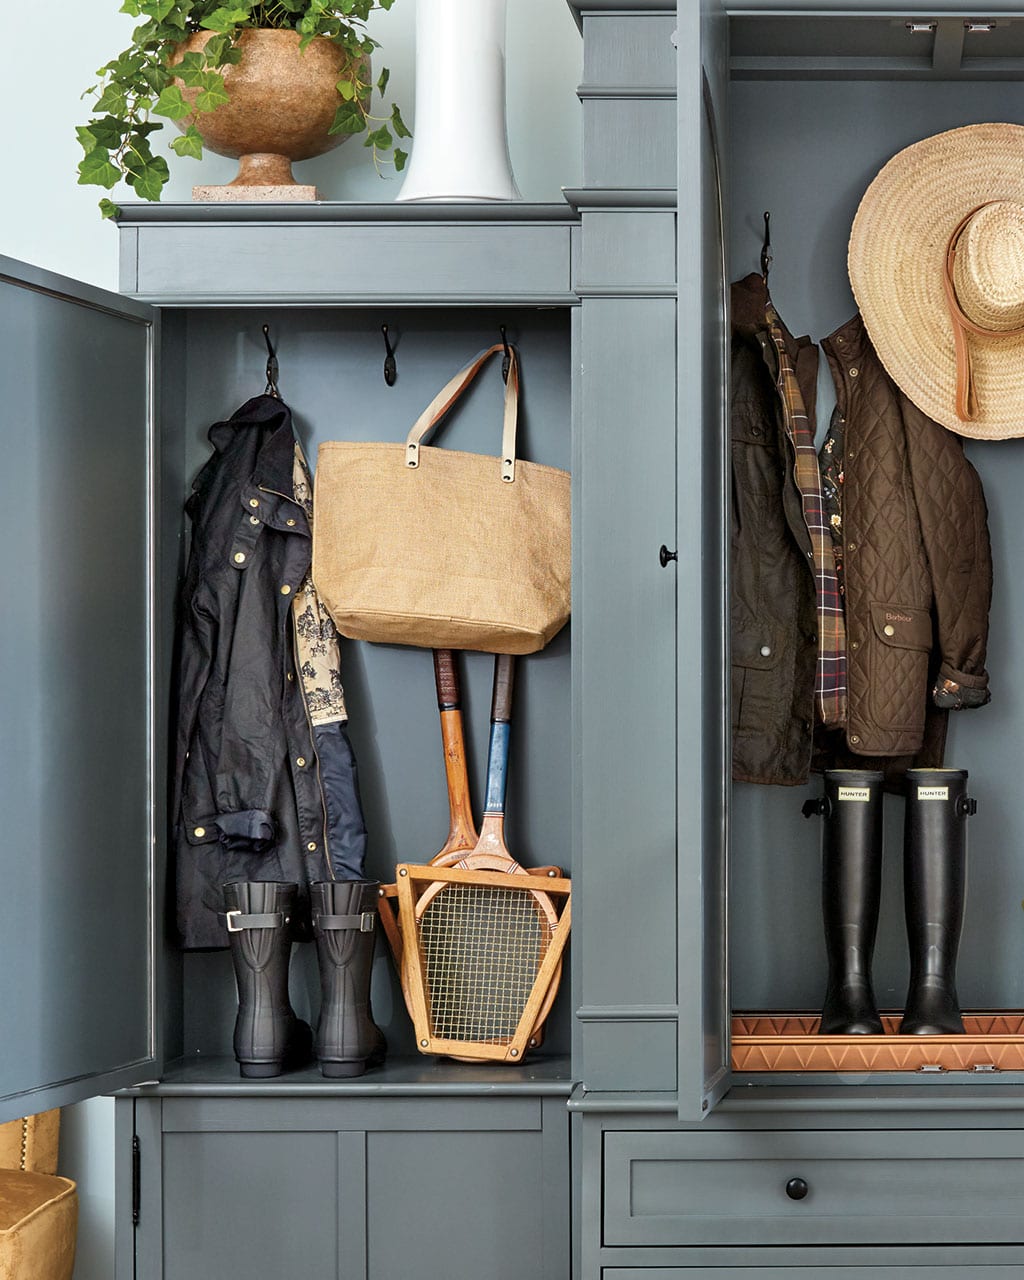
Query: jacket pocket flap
758,648
748,424
902,627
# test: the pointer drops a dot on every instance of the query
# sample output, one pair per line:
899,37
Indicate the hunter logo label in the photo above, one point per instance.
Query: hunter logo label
933,793
854,793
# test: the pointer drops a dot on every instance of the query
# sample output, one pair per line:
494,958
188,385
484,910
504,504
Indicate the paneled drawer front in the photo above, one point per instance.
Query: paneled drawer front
887,1187
324,263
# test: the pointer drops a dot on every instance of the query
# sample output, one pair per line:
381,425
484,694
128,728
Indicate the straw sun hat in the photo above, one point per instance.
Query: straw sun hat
936,263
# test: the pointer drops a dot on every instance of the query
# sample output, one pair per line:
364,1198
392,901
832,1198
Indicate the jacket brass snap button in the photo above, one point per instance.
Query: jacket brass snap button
854,372
851,546
854,738
286,590
766,651
254,502
239,557
889,629
199,832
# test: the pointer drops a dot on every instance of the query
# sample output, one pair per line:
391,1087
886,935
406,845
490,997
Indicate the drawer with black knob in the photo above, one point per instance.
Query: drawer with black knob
846,1187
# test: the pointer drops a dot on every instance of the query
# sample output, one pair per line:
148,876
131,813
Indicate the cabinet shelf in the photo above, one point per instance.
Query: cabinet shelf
405,1076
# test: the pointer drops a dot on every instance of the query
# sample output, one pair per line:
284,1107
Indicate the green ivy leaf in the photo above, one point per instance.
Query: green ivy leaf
224,19
346,89
191,62
96,169
108,209
379,138
348,119
382,81
148,178
171,104
87,138
106,132
113,100
398,124
157,10
210,99
189,144
400,159
215,49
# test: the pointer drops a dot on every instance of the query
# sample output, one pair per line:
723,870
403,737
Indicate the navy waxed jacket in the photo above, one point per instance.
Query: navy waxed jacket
264,784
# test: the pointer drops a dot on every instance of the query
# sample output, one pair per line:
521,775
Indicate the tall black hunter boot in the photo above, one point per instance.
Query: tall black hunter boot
851,884
934,883
344,925
269,1038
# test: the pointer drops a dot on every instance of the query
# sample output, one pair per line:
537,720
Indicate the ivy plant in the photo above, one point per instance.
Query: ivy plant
140,83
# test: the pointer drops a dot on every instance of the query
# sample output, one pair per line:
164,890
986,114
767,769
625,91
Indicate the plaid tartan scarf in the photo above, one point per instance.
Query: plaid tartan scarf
830,675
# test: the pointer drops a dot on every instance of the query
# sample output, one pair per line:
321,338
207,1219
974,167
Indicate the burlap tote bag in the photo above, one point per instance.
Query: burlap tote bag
447,550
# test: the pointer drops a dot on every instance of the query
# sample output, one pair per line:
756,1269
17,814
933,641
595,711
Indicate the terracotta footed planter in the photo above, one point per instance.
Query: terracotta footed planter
282,105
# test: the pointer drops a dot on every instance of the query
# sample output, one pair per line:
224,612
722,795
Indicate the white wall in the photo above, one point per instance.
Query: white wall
47,219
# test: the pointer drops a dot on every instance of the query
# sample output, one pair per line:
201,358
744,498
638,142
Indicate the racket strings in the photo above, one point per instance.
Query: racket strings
482,948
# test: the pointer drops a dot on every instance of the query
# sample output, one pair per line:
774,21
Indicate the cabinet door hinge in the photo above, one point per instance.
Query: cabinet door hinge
136,1180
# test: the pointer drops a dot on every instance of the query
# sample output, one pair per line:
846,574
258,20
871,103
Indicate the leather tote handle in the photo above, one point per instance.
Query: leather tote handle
448,395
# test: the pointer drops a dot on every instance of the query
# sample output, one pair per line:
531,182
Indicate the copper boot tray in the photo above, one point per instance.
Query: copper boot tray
789,1042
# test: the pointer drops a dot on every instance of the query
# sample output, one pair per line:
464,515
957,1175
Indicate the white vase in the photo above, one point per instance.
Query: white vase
460,144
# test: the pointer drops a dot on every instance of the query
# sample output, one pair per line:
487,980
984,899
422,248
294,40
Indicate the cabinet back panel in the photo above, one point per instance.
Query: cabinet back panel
331,375
806,152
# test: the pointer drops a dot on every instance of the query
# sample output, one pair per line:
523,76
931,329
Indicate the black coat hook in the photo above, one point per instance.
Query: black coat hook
390,368
766,247
272,366
506,361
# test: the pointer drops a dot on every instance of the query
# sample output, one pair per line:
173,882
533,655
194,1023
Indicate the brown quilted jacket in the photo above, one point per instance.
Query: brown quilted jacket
917,564
917,559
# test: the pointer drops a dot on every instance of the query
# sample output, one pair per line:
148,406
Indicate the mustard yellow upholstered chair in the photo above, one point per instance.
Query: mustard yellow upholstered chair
38,1211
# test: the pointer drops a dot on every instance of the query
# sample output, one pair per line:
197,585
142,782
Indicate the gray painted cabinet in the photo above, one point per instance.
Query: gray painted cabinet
682,1169
696,118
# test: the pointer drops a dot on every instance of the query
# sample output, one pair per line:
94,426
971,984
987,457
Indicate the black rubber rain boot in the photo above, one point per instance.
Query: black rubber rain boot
269,1038
851,885
344,926
934,884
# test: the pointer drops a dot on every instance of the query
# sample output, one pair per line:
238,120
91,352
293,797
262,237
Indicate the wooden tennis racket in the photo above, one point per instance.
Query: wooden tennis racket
485,966
462,833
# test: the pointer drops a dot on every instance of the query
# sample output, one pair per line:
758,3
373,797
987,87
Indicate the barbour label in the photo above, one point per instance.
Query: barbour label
855,793
933,793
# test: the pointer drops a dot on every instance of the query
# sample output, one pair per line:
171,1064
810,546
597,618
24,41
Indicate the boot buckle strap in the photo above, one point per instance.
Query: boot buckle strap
364,921
237,921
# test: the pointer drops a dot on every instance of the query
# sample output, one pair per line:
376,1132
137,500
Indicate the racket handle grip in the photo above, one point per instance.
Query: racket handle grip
504,678
446,677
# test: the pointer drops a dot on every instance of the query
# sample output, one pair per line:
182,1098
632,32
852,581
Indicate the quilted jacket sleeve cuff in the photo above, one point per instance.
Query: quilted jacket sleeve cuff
957,691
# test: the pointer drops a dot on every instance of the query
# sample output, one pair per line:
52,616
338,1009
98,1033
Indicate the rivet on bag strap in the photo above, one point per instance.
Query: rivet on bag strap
450,393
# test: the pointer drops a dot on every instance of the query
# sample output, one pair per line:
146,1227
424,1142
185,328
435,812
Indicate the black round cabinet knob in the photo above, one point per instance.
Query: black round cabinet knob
796,1188
665,556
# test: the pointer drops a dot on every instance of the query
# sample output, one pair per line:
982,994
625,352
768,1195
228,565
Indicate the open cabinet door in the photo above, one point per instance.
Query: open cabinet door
704,1050
76,791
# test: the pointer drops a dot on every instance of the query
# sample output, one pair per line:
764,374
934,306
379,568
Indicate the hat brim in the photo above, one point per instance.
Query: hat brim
896,262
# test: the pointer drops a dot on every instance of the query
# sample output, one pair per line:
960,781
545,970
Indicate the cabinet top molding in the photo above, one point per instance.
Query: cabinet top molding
342,213
580,7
